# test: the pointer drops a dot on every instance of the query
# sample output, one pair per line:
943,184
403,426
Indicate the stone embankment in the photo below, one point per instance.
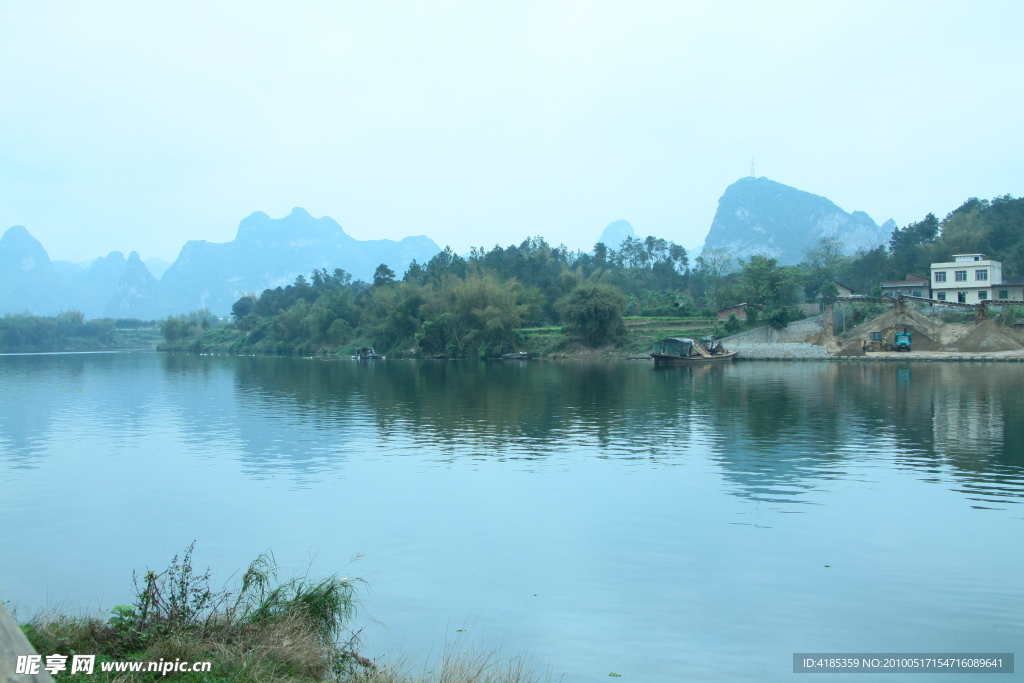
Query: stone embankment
779,351
790,342
936,356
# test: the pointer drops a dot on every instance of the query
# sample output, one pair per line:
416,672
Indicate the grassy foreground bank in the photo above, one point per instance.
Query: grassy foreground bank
263,630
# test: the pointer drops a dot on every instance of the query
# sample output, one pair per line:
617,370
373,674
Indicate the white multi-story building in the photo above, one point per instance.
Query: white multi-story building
971,279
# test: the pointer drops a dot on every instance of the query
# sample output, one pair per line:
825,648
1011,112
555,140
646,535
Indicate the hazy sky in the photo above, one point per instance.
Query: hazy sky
140,125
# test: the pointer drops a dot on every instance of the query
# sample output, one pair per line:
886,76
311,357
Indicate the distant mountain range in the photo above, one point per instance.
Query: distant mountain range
761,216
270,252
755,215
266,252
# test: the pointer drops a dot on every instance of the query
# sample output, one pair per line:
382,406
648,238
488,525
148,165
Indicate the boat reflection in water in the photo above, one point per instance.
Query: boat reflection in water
682,351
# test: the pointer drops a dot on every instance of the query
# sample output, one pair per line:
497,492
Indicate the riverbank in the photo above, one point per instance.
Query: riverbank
800,340
261,631
934,340
897,357
539,342
30,334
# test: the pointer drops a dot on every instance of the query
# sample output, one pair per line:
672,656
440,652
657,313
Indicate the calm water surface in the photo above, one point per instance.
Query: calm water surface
686,524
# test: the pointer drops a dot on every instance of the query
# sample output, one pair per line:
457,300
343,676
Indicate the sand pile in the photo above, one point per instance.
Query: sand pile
987,337
921,340
928,335
898,318
927,332
950,332
933,335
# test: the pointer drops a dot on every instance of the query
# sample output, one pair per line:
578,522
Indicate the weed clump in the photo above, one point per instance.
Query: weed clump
264,630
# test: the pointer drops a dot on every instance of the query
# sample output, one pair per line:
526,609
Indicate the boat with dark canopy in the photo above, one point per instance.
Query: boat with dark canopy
682,350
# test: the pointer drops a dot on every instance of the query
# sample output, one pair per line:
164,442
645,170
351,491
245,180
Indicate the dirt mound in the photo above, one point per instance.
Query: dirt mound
897,318
1014,333
950,332
927,333
921,339
988,337
853,347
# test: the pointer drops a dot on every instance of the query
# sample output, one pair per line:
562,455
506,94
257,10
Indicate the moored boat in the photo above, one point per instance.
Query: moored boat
366,353
682,350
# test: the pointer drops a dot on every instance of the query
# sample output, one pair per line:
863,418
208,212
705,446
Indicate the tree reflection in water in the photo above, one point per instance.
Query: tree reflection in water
774,428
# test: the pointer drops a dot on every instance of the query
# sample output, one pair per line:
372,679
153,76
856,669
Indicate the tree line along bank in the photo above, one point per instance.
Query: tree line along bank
481,305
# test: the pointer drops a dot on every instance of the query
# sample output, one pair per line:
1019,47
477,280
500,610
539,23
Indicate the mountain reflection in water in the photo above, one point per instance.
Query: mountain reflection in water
773,427
603,513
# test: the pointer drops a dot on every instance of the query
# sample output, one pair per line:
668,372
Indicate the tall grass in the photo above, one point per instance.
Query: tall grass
262,630
265,629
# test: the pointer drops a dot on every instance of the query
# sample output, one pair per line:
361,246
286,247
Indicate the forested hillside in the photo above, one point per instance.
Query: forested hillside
994,228
452,306
480,305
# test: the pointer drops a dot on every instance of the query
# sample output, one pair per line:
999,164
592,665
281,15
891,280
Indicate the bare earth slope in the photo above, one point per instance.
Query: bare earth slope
808,338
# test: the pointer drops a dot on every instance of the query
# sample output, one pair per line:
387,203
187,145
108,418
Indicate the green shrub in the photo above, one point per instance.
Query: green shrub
780,316
593,312
732,325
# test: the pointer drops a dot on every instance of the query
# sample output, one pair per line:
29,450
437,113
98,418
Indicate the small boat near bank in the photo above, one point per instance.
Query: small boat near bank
367,353
684,351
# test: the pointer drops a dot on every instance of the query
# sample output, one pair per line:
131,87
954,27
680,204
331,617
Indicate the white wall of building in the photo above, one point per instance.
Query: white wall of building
971,278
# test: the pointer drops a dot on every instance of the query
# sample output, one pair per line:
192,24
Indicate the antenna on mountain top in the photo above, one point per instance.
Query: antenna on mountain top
752,168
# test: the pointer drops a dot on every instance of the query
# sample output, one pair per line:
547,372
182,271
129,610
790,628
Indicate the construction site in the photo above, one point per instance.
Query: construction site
904,328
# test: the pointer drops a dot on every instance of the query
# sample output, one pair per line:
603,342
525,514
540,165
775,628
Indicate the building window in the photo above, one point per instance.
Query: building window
982,296
961,297
940,276
917,294
941,296
981,274
1004,294
961,276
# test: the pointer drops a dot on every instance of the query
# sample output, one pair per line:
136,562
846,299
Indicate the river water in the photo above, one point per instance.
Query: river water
698,523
